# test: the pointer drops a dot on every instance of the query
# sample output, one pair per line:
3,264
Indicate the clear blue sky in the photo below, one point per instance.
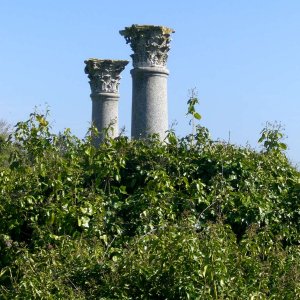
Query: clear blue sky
242,56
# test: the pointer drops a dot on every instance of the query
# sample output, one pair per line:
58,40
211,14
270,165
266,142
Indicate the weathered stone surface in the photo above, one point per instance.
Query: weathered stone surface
149,102
105,115
150,45
104,75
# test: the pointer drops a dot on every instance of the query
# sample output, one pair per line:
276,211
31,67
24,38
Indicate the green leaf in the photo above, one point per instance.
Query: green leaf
185,181
83,221
172,139
123,189
197,116
104,238
283,146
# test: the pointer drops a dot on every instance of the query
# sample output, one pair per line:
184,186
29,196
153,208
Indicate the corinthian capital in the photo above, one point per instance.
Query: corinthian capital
104,74
149,43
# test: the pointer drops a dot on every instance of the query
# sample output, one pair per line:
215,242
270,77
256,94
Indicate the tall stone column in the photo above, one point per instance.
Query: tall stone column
104,78
150,45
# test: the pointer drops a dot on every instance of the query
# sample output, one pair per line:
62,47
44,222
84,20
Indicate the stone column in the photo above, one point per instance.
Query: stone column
104,75
150,45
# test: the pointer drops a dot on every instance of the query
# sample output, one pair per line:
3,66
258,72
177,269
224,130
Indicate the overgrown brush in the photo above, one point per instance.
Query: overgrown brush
189,218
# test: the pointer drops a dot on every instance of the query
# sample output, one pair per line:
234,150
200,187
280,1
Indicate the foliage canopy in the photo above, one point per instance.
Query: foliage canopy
189,218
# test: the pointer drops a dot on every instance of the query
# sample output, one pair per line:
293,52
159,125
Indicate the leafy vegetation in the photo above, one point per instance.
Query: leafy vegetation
189,218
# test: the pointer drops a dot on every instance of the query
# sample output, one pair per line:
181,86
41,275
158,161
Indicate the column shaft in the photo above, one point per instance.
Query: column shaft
105,115
149,102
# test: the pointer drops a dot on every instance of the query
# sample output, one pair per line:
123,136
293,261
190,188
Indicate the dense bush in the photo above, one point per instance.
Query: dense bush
189,218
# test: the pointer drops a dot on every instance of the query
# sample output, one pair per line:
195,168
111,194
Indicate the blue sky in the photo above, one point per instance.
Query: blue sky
242,56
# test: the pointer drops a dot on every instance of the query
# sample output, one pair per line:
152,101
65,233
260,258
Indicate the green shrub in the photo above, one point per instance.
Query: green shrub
189,218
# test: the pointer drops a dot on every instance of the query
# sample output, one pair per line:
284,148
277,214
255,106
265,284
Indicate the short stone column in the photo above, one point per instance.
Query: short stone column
150,45
104,75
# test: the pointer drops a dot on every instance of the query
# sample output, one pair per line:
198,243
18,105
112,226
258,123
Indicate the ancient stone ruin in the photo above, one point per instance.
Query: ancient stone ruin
150,45
105,78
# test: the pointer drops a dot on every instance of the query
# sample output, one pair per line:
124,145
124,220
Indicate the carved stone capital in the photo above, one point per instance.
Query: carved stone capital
149,43
104,74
